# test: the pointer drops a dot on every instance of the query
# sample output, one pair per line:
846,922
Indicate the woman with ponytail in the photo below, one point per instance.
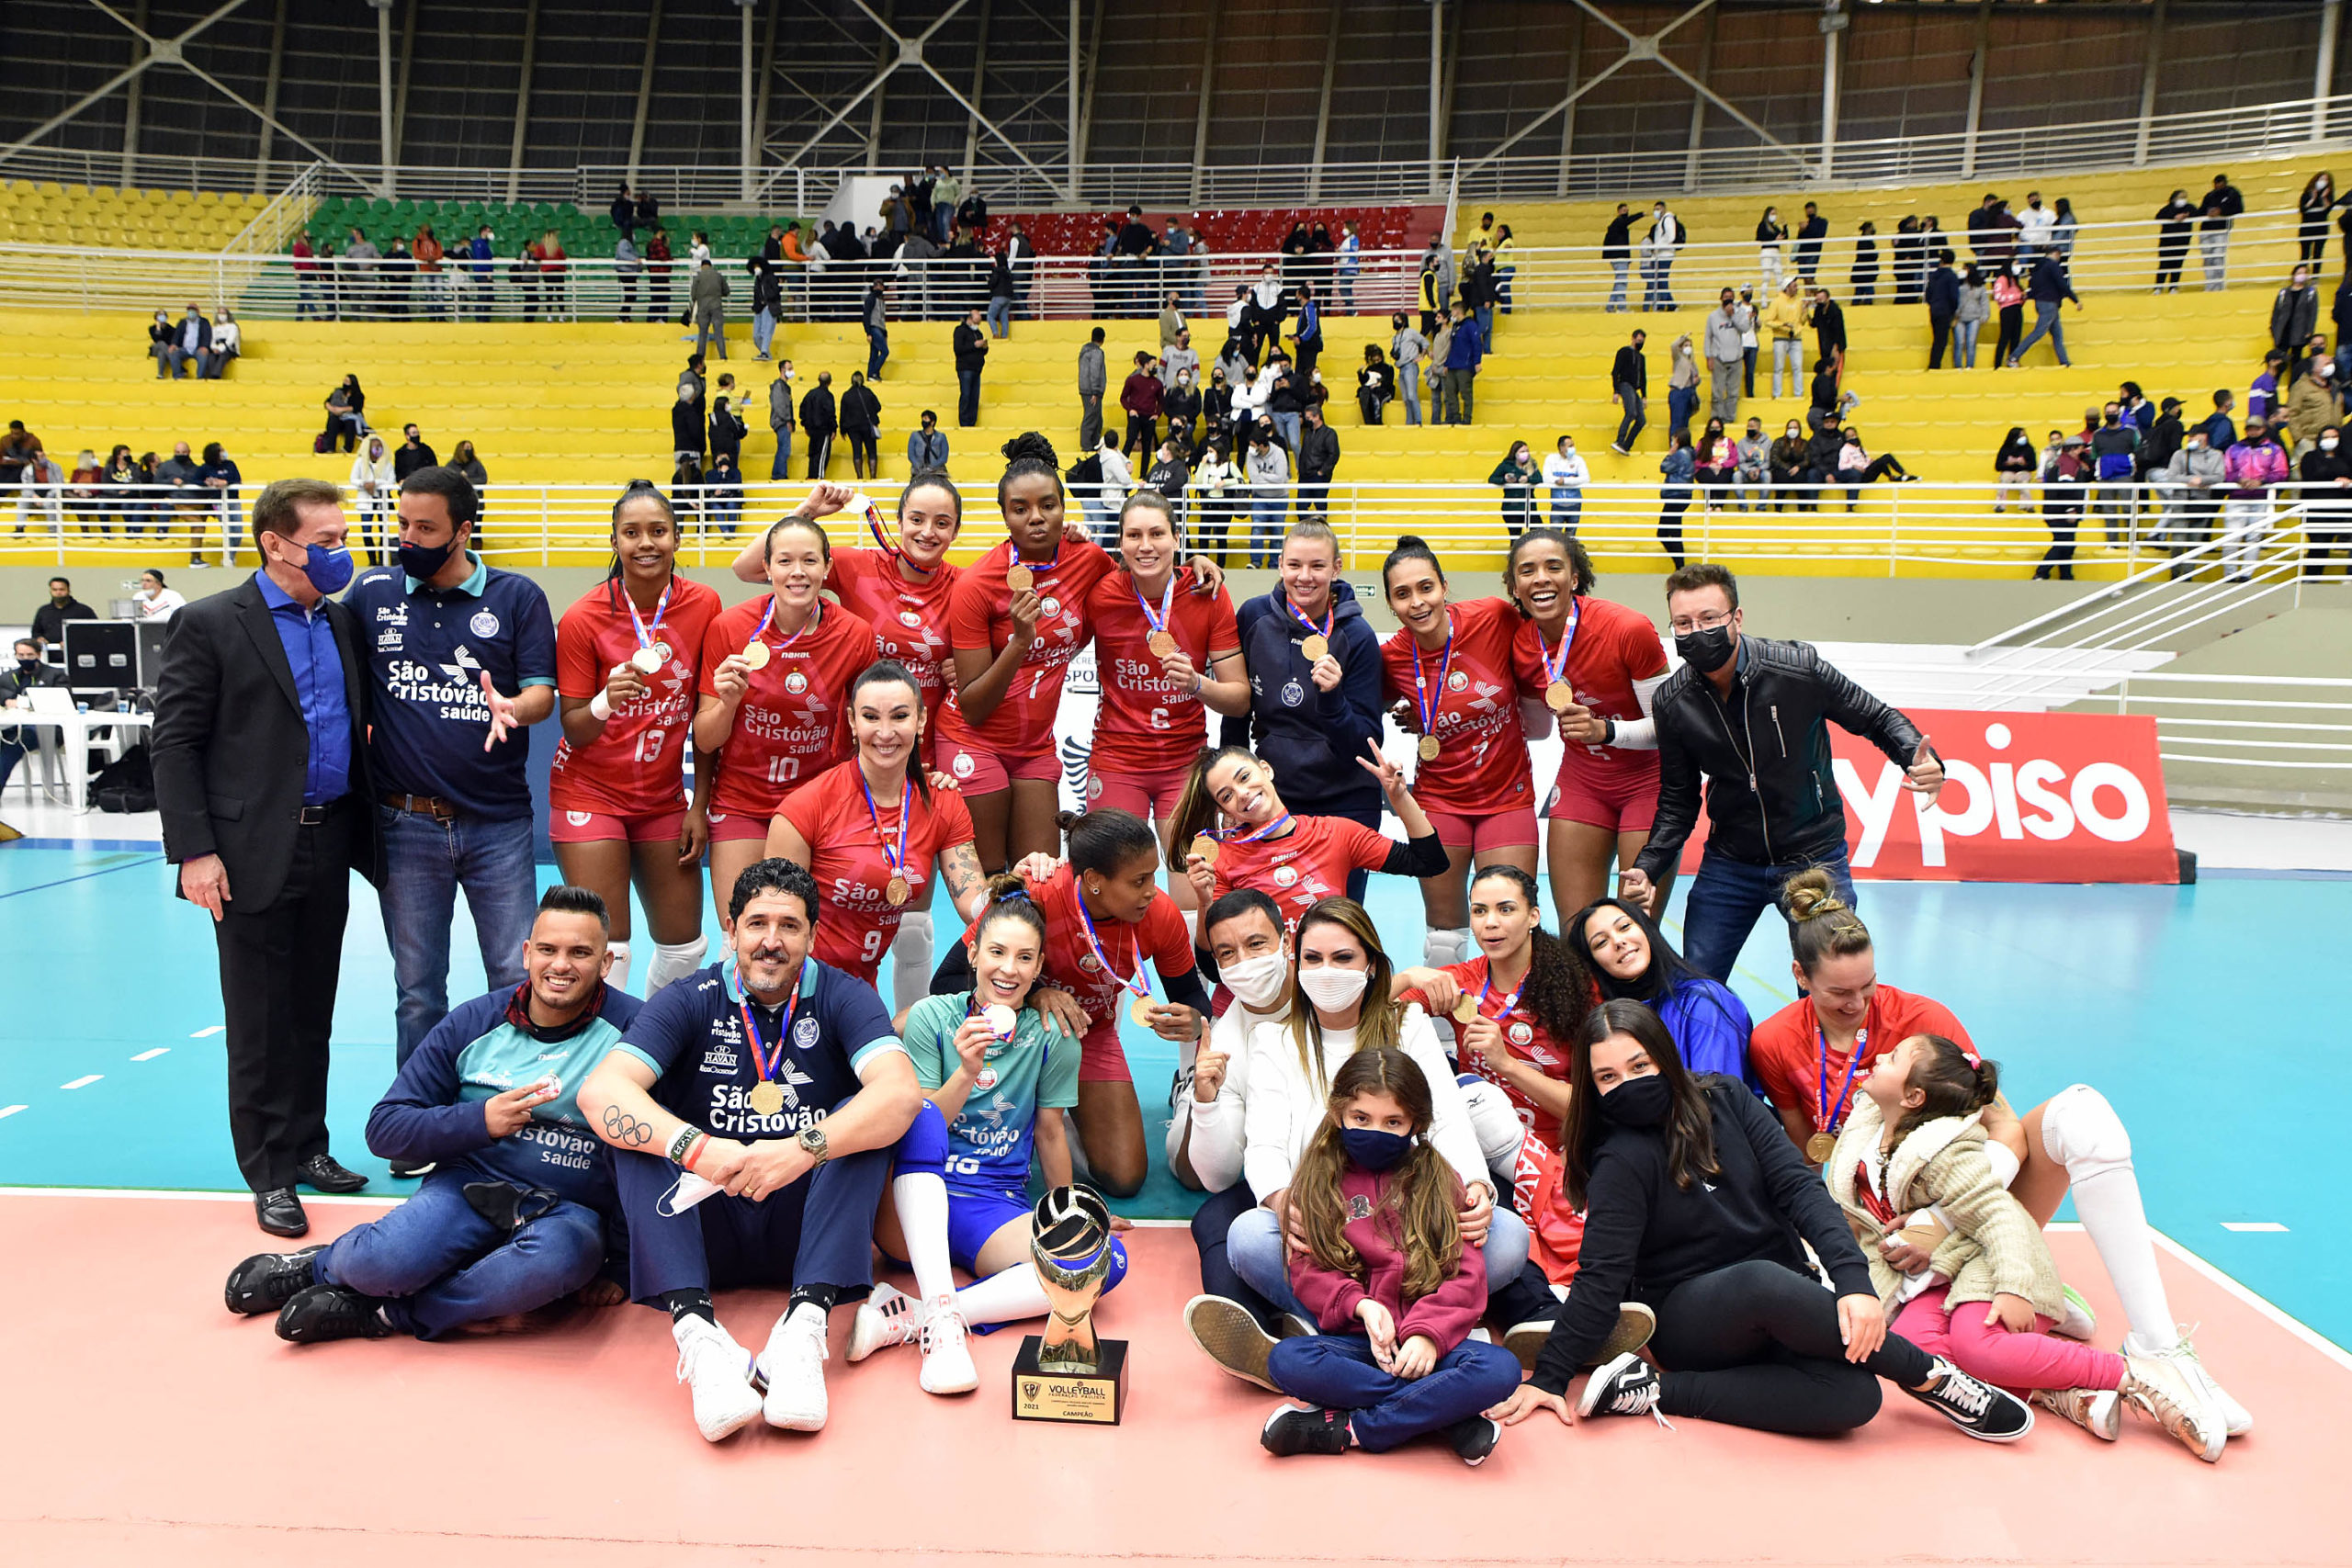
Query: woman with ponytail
628,654
1630,957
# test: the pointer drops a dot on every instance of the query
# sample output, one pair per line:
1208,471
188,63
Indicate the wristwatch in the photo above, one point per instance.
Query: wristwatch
813,1139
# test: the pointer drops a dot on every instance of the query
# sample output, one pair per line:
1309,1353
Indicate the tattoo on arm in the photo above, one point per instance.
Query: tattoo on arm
620,1127
959,867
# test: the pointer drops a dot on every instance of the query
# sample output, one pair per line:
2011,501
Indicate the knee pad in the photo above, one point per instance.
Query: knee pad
914,933
618,975
2081,1131
922,1149
1495,1123
1440,948
674,961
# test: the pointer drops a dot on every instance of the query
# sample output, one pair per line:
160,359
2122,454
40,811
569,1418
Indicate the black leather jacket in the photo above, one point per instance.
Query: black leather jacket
1771,797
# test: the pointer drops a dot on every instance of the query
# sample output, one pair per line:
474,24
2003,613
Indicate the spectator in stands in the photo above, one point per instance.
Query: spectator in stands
1319,460
2216,214
1170,475
1517,474
860,421
1856,467
1909,268
81,492
2115,464
2013,464
1177,357
1093,380
1827,395
306,276
2263,398
1172,320
624,212
1267,469
1682,387
192,335
1725,355
1810,233
1629,382
1139,397
1771,234
781,420
927,448
2294,312
723,490
2326,473
2049,289
122,477
1713,457
1821,454
182,491
1182,404
1213,481
1786,463
40,497
970,344
1406,348
1746,317
1217,408
2174,219
1617,250
2313,403
2064,478
1941,292
707,299
346,408
727,425
1784,323
220,478
1866,268
1462,357
2191,483
227,342
1375,383
2062,233
398,274
1658,246
1567,473
162,339
356,270
819,419
1262,317
412,453
2006,296
1828,327
374,489
1115,482
1308,337
1973,306
1752,458
1282,399
2252,468
1350,264
2162,424
1676,467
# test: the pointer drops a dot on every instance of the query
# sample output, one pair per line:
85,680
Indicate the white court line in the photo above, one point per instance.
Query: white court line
84,1081
201,1034
151,1055
172,1197
2292,1324
2252,1225
12,1109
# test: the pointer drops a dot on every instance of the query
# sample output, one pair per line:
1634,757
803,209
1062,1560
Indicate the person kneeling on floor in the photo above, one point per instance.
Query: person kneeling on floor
757,1106
512,1218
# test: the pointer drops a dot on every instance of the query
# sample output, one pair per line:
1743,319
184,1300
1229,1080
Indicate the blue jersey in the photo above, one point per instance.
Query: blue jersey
989,1141
1709,1026
691,1034
433,1113
427,650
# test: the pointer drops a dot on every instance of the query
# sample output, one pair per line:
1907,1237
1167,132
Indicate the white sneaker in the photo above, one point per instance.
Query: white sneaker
2159,1388
2235,1416
888,1316
793,1365
2080,1322
2098,1411
947,1357
719,1372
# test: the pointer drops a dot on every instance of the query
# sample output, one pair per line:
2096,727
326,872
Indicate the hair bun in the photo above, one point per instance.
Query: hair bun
1810,896
1030,444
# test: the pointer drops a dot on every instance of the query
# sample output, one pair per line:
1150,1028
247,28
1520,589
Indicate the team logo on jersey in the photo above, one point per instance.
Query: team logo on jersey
1285,875
1094,786
1051,606
484,624
1540,1056
1089,963
795,683
962,766
393,615
987,1081
1520,1035
1293,693
804,1033
911,620
579,818
1551,800
1457,682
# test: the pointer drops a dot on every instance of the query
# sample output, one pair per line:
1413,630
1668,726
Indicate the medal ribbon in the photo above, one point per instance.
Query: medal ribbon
1013,557
645,635
767,1061
883,542
1555,668
1486,986
898,861
1421,699
1330,618
1167,603
760,632
1830,1118
1139,986
1268,831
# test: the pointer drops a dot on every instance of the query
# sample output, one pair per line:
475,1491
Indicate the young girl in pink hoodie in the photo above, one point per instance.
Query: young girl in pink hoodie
1393,1287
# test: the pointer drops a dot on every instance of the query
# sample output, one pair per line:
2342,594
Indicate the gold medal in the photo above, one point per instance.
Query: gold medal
1559,697
1161,644
766,1098
1820,1146
1019,578
755,656
1314,647
897,892
646,661
1206,848
1429,747
1140,1010
1465,1007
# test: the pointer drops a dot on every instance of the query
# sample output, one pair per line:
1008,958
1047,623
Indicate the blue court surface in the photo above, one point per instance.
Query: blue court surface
2207,1014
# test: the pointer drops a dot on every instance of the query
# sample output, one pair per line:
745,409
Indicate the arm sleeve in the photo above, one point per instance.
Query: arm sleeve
183,730
1423,856
1217,1127
1058,1084
1447,1315
576,674
1351,710
1450,1132
1677,802
1641,734
861,1022
1862,714
926,1043
658,1036
535,640
1266,1161
1332,1297
1978,1205
1795,1190
1616,1215
421,1119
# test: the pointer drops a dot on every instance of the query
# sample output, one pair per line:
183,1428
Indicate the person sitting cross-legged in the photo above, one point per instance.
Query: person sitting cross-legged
512,1219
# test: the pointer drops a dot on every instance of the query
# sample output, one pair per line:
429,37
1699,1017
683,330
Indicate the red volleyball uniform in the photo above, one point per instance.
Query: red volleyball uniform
909,619
792,724
1786,1050
979,614
636,768
1482,766
1613,647
1146,723
1525,1037
1310,862
845,855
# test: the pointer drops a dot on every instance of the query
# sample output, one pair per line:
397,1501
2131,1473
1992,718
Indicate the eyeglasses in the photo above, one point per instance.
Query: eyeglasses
1683,625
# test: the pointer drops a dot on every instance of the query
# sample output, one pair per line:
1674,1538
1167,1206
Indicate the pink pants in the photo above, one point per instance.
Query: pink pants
2014,1361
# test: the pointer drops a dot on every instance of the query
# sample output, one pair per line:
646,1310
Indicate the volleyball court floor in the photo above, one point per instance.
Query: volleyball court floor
147,1424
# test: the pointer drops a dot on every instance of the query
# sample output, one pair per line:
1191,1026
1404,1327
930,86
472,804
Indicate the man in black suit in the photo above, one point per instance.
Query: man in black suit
261,778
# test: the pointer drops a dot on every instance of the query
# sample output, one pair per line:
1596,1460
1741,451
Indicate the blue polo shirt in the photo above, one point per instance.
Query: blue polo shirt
308,638
691,1034
426,651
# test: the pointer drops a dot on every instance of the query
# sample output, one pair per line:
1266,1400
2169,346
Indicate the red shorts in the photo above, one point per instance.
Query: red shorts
986,772
599,827
734,826
1151,796
1101,1057
1494,831
1621,799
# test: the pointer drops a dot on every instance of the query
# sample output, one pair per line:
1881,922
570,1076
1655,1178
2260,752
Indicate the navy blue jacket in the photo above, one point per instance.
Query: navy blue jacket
1310,737
1943,292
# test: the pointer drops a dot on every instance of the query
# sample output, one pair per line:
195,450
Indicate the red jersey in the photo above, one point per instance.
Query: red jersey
792,724
1524,1037
909,619
1613,647
1786,1050
1070,960
1146,722
636,767
1482,764
979,614
1310,862
845,856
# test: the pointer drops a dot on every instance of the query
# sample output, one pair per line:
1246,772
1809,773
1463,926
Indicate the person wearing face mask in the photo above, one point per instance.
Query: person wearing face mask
1182,404
1726,357
1405,346
1750,457
2253,467
1666,236
1694,1207
2326,473
1788,464
158,599
1752,715
1630,957
2174,220
264,780
1770,235
23,674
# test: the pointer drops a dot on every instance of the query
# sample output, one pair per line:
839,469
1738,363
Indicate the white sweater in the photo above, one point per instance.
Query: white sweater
1283,1109
1219,1128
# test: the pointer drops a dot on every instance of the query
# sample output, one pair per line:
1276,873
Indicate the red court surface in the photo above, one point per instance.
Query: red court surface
148,1426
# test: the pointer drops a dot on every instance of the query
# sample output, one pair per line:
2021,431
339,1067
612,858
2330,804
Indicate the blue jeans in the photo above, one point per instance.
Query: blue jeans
1254,1248
1617,288
1486,318
763,332
877,349
1000,318
441,1265
2045,319
1337,1372
1265,537
777,469
1287,423
1409,381
425,862
1964,354
1567,510
1681,402
1727,896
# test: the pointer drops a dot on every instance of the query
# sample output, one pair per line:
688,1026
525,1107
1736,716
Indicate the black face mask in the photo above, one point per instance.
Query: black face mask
1708,648
1638,1102
28,667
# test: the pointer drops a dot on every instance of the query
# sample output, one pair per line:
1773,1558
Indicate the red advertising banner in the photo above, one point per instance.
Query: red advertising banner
2028,797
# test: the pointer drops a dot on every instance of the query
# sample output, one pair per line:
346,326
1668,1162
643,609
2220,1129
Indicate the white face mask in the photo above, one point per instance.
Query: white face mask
1331,988
1259,981
2327,444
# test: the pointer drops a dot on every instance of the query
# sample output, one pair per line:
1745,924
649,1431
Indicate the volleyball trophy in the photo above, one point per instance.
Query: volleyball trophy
1067,1373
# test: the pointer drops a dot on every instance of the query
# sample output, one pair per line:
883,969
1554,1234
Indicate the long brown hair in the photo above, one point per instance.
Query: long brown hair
1559,987
1379,1023
1953,1084
1690,1129
1417,1212
1195,810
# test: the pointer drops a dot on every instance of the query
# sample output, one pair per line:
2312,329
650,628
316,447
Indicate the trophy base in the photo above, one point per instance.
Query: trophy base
1091,1399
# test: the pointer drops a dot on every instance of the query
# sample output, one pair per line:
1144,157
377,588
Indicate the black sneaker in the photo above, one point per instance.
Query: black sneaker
1626,1386
1473,1438
267,1280
404,1171
1987,1414
329,1312
1305,1429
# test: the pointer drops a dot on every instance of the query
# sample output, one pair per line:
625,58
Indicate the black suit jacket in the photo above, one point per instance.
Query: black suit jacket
230,749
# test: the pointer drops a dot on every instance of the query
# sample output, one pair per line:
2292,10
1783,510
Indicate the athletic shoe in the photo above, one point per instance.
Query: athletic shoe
1305,1429
2098,1411
1987,1414
1229,1336
947,1357
1473,1438
1634,1326
719,1372
2235,1416
886,1317
320,1312
1294,1327
2159,1388
2080,1322
407,1171
1627,1385
794,1366
267,1280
